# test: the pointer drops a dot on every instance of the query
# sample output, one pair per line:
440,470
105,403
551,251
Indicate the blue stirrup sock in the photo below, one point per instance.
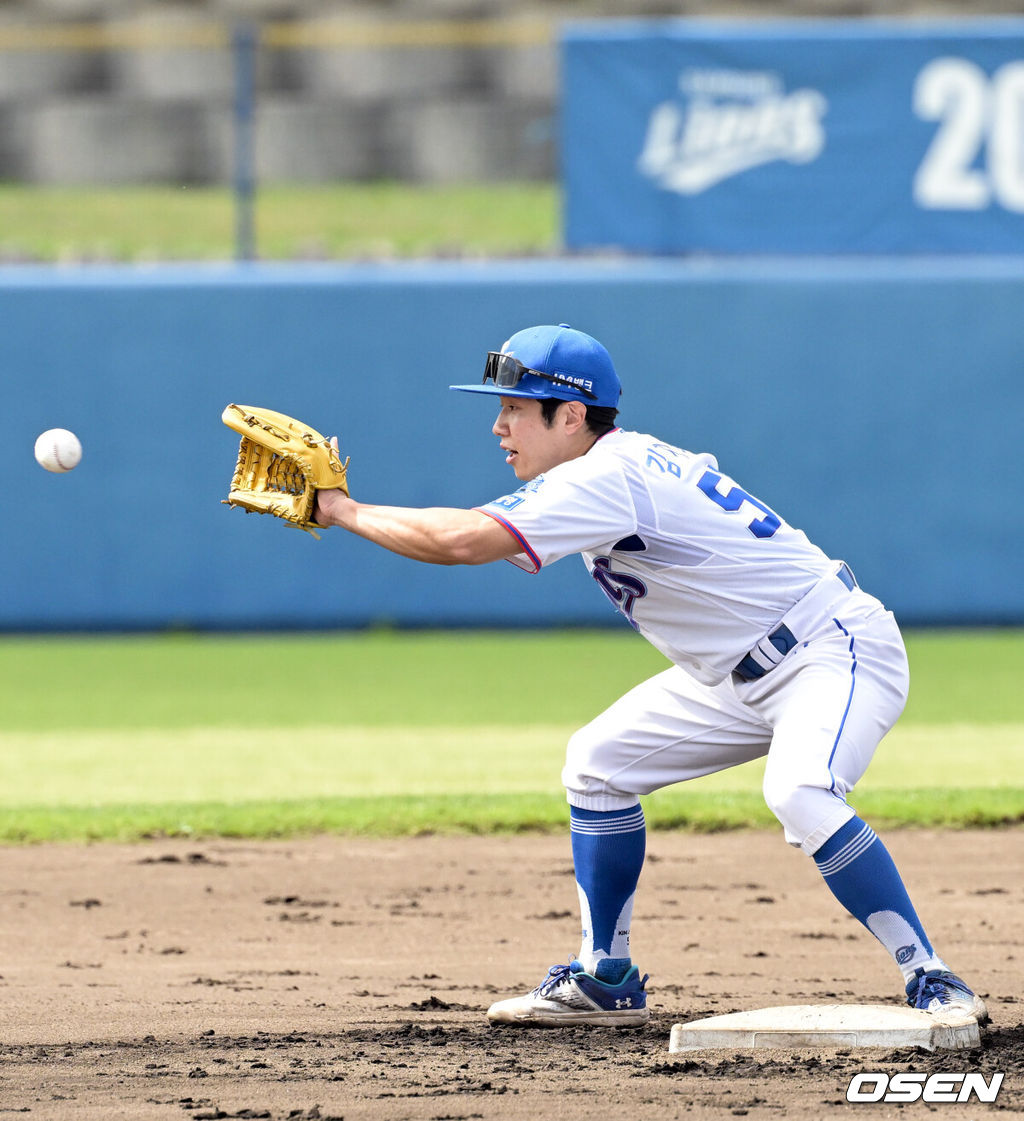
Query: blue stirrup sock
861,874
608,852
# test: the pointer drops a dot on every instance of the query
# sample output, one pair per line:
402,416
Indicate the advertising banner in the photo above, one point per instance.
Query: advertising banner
873,136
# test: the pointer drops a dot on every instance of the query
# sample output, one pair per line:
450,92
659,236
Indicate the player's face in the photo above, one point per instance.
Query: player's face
530,446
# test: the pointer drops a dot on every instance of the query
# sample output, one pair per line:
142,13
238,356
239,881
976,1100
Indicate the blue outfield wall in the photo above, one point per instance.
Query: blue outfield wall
876,404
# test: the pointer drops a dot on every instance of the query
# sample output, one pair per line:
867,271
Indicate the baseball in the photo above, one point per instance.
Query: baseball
58,450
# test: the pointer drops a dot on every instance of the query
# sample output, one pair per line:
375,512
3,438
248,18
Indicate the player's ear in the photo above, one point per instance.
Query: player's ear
574,416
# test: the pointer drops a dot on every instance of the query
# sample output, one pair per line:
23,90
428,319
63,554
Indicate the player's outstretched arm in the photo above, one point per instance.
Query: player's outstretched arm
436,535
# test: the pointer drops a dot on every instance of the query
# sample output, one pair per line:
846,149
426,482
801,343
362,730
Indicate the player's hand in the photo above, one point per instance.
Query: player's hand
324,507
327,508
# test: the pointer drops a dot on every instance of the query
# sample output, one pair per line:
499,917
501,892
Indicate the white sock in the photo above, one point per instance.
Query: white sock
900,939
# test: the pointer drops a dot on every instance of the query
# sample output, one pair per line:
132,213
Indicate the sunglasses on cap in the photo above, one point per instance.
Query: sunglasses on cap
506,372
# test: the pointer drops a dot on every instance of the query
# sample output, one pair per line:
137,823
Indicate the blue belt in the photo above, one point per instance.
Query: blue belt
783,639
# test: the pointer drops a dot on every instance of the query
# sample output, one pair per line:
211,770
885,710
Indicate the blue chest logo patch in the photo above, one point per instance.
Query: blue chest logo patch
511,501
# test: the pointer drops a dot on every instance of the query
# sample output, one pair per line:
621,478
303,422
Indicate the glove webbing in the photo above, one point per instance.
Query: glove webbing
285,474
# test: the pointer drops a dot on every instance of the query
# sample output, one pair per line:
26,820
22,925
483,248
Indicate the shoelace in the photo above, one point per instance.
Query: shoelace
556,975
938,988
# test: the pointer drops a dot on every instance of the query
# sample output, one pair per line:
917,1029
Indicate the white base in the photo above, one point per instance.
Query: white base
827,1025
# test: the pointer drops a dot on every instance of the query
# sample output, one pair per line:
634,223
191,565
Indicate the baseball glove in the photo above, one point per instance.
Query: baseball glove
282,463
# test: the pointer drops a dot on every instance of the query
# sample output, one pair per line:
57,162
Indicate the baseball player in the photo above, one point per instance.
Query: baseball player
775,652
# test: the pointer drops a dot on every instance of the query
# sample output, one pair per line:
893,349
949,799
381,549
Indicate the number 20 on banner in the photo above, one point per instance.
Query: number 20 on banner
977,155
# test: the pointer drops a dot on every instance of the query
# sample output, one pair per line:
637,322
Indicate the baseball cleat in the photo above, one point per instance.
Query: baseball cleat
570,995
943,993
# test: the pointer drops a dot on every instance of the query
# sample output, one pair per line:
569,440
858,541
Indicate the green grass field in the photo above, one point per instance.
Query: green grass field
346,221
401,732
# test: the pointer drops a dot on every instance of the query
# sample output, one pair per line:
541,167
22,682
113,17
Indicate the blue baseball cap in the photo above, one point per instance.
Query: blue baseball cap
551,361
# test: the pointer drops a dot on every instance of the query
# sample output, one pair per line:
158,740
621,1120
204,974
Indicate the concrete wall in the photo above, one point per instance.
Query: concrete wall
144,93
875,404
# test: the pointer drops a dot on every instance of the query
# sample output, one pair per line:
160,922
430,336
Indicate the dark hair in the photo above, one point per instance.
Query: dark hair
600,418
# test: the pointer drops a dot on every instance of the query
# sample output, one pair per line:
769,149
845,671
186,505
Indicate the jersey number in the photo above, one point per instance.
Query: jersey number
621,588
734,498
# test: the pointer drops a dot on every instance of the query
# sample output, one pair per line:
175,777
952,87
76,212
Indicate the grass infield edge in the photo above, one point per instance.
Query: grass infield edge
508,814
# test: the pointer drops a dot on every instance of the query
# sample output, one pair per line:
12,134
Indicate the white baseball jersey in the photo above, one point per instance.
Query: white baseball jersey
702,569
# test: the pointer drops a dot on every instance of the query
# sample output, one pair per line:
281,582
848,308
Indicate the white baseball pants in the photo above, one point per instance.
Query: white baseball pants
818,717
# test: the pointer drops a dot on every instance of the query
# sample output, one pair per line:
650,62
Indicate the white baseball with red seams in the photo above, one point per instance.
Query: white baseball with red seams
58,450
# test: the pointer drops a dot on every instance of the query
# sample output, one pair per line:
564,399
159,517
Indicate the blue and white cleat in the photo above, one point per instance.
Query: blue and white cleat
570,995
943,994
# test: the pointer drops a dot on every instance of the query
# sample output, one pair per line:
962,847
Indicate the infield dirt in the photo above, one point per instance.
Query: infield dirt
331,977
